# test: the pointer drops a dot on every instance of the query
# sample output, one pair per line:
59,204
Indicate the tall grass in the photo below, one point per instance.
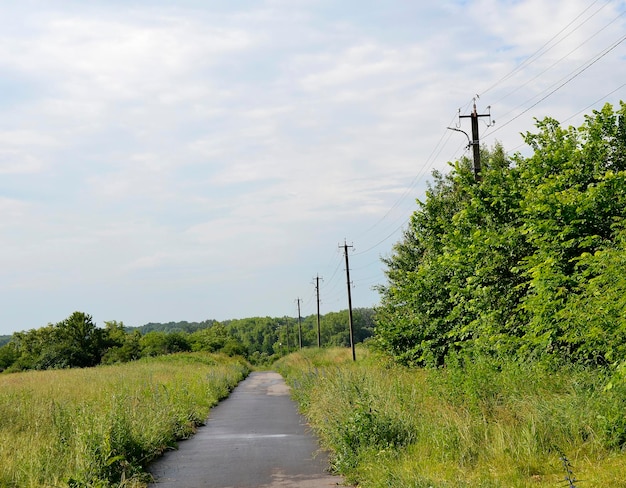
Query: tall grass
477,424
99,427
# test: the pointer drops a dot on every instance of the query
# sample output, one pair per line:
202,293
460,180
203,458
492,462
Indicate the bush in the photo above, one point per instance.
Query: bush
475,422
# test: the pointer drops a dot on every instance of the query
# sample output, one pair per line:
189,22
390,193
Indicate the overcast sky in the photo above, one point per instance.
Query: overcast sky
166,161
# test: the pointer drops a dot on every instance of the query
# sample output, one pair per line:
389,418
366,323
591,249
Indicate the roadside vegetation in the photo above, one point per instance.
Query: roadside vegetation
528,262
78,342
501,333
474,423
497,356
99,427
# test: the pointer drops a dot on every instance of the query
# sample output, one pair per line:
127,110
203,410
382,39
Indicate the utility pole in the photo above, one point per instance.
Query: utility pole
299,324
345,249
475,141
319,329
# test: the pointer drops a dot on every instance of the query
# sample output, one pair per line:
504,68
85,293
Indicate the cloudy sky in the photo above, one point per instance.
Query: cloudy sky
164,161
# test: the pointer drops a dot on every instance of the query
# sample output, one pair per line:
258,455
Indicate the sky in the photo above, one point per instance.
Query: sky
203,159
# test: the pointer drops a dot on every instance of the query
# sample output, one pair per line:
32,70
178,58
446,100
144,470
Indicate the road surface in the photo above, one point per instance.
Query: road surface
254,438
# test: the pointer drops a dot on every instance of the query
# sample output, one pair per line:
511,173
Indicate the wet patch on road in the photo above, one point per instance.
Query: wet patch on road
282,480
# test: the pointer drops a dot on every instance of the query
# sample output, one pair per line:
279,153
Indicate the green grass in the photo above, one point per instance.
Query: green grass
478,425
99,427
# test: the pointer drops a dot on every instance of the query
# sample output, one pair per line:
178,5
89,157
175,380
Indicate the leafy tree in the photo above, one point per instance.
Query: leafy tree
502,265
8,355
256,333
182,326
594,330
233,347
574,203
121,346
336,327
158,343
211,339
78,342
451,279
73,342
32,347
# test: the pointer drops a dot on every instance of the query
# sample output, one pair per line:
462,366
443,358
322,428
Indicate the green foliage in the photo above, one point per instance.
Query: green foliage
210,339
477,422
336,331
527,262
366,428
8,355
77,342
217,338
100,427
182,326
121,346
159,343
267,338
264,335
73,342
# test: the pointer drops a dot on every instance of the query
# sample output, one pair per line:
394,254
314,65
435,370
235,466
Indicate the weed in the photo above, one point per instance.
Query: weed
99,427
569,471
476,423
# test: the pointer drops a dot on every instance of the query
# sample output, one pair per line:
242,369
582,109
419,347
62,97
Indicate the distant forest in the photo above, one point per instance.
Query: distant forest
78,342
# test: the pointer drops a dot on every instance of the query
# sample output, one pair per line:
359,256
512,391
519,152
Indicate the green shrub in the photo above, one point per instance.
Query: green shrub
99,427
476,422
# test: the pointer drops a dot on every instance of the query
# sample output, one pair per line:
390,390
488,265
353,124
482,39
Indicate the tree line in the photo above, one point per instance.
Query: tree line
78,342
527,262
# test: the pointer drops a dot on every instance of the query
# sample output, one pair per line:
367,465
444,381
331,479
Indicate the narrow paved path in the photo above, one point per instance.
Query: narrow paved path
254,438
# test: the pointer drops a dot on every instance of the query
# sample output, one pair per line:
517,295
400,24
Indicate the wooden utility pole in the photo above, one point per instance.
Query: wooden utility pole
345,249
475,141
299,323
319,329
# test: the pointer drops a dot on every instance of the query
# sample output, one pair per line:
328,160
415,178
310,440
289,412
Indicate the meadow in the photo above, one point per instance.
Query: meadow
99,427
470,424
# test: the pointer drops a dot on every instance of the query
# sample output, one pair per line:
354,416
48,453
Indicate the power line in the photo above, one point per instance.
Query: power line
428,164
575,74
594,103
331,284
319,330
385,239
365,266
560,59
330,280
511,151
536,55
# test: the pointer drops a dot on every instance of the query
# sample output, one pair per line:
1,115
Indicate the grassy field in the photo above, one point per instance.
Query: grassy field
482,425
98,427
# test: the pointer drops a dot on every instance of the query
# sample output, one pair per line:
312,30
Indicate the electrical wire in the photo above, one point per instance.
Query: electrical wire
327,283
536,55
560,59
596,102
443,140
429,163
571,77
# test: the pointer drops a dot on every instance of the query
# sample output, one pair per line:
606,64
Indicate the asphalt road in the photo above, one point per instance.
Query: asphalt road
254,438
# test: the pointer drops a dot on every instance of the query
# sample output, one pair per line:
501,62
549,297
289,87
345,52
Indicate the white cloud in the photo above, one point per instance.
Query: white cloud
13,161
20,149
11,210
211,151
